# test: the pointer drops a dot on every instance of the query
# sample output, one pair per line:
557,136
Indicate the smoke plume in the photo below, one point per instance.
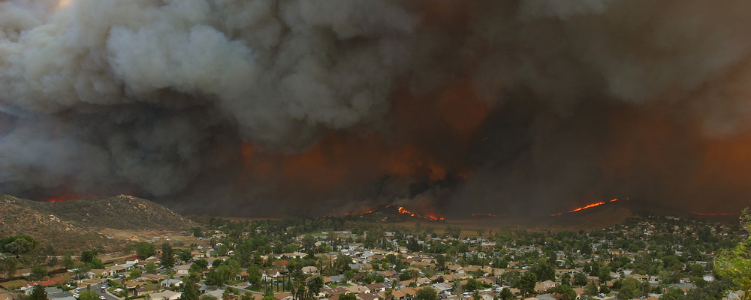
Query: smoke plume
259,107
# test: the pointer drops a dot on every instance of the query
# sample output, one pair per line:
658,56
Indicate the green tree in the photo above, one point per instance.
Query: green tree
218,276
348,296
67,261
38,272
543,270
168,256
19,246
315,284
426,293
9,265
185,255
580,279
566,291
591,289
673,294
190,290
629,290
254,275
735,263
197,231
38,293
150,268
207,297
87,256
80,270
527,283
309,244
135,273
269,295
472,285
289,248
145,250
222,250
506,294
566,279
96,264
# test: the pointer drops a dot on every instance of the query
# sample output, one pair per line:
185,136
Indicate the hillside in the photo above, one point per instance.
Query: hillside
72,225
119,212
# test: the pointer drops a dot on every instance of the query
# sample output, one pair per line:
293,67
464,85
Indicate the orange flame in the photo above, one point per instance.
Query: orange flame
585,207
403,210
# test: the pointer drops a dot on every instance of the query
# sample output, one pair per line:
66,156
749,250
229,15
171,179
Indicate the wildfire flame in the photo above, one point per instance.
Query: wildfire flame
584,207
403,210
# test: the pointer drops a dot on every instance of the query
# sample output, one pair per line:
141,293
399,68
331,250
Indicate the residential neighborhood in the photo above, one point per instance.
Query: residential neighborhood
646,258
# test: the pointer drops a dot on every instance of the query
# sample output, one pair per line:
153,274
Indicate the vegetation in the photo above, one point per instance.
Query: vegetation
38,293
735,263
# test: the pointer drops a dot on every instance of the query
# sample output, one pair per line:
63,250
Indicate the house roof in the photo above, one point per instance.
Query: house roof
369,296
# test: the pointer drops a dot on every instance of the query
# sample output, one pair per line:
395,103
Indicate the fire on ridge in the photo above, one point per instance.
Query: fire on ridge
584,207
402,210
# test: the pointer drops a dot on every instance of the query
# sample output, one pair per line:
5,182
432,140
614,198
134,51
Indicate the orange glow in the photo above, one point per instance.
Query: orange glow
433,217
63,4
583,207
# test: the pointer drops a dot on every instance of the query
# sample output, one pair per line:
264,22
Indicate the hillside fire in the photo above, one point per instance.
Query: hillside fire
585,207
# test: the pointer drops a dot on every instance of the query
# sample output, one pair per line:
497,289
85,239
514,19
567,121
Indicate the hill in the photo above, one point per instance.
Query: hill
73,225
119,212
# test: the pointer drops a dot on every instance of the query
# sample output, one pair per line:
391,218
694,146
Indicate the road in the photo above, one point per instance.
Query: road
98,289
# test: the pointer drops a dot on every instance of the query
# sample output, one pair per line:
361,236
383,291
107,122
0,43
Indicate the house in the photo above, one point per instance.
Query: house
544,286
335,291
338,279
543,297
155,277
166,295
115,270
310,270
182,270
216,293
441,287
369,296
167,283
94,273
357,289
398,295
54,293
376,287
132,260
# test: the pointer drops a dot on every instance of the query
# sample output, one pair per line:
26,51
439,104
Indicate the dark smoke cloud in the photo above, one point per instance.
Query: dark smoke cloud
311,106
